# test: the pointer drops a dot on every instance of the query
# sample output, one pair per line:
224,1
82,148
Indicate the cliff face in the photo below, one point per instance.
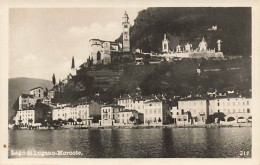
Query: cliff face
184,25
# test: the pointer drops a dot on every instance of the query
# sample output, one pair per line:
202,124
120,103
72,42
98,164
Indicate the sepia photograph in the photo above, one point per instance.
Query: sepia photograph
130,82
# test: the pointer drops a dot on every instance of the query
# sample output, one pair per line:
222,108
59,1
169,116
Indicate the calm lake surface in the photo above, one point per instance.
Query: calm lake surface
135,143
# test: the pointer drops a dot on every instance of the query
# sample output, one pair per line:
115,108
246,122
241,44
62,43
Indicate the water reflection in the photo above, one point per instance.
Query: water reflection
137,143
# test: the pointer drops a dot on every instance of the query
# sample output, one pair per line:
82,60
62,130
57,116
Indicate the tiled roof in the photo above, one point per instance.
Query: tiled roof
128,110
26,95
112,105
153,100
35,88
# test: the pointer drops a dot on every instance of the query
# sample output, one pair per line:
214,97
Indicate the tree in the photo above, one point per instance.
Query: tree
45,92
30,120
70,120
53,79
132,119
79,120
210,119
73,63
96,118
190,117
220,116
231,119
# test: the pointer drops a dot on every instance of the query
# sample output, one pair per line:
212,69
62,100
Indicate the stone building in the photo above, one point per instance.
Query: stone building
38,93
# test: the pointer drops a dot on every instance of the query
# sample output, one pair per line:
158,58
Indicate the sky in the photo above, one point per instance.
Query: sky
43,41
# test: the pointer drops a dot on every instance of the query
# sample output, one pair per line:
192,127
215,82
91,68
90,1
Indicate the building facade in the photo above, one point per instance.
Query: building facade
26,101
155,112
83,111
109,114
195,109
25,117
124,116
236,109
38,93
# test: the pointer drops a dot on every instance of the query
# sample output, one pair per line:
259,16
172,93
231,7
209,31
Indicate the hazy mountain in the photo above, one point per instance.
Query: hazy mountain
184,25
21,85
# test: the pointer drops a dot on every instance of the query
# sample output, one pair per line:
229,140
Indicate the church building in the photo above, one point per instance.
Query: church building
101,49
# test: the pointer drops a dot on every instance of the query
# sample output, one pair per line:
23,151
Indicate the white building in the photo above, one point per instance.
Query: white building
235,108
125,115
82,111
134,101
155,112
109,114
25,117
196,109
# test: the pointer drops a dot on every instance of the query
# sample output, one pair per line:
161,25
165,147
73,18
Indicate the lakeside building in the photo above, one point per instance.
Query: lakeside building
25,117
134,101
155,112
124,116
192,110
236,109
83,111
109,114
196,111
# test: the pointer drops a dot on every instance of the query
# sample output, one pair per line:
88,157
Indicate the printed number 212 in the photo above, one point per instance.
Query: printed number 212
244,153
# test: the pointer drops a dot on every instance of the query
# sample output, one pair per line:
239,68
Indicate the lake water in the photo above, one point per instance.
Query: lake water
134,143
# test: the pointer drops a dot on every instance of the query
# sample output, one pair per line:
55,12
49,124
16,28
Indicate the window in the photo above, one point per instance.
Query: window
98,55
247,102
248,110
218,103
125,26
39,95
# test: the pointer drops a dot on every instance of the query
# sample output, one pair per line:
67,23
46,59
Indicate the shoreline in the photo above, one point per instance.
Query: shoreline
137,127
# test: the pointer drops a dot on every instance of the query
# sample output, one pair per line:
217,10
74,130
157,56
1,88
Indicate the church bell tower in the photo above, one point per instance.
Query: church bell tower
126,35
